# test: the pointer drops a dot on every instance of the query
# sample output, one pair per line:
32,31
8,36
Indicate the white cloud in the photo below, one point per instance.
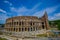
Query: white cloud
39,13
1,10
55,16
19,11
36,6
8,2
49,10
24,10
13,9
3,16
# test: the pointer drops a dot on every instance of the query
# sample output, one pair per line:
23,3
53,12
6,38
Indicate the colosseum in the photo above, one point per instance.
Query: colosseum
26,24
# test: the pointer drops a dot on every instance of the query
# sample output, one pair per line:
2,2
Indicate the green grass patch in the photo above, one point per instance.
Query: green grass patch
3,38
41,35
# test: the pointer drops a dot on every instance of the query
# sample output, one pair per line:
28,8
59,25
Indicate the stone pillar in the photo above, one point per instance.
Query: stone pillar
32,23
35,28
15,29
11,29
32,28
21,29
12,25
44,26
18,26
21,23
29,29
41,26
8,29
24,28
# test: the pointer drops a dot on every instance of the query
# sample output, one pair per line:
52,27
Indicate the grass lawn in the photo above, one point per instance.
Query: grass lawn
41,35
3,38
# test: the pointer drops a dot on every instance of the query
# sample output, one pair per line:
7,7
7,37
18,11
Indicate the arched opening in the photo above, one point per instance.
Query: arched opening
43,25
25,29
22,29
14,29
31,28
28,29
19,23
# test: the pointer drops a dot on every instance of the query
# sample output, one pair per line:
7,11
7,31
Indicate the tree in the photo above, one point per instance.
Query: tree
59,26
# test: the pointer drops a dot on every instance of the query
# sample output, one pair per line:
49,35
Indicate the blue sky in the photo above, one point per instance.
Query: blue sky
11,8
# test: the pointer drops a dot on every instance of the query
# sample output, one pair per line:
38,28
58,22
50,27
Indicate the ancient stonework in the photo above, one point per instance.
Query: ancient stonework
26,23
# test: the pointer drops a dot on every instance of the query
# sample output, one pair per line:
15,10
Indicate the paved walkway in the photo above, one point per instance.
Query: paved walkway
13,38
7,37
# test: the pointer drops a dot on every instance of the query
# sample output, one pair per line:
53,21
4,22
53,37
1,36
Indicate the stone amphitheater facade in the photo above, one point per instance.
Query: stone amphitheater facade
26,23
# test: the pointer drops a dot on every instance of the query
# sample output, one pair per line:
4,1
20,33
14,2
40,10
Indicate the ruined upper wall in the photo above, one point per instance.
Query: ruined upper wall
23,17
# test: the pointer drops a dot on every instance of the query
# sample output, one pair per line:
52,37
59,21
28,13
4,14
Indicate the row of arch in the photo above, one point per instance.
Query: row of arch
23,29
24,24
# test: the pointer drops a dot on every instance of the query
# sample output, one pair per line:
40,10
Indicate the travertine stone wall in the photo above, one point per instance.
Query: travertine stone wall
26,23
